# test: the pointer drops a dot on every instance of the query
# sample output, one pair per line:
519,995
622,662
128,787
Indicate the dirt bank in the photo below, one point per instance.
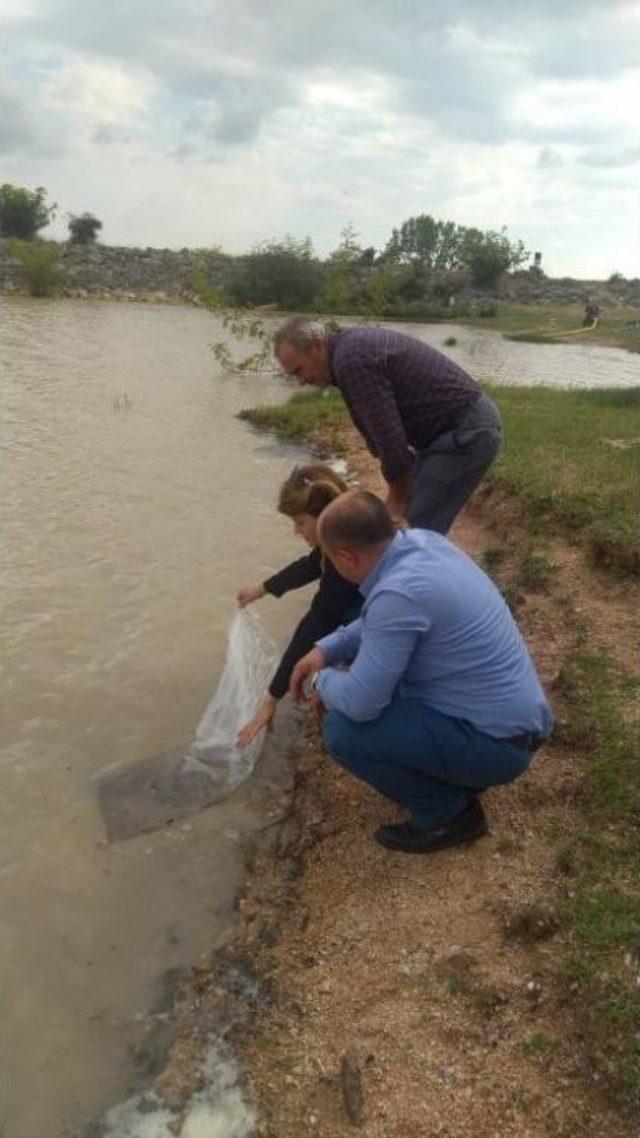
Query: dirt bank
419,997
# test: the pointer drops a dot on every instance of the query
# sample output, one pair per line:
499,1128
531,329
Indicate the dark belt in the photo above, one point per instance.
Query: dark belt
528,742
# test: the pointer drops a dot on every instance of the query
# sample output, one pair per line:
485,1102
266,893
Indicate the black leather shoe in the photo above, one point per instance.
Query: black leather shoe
468,826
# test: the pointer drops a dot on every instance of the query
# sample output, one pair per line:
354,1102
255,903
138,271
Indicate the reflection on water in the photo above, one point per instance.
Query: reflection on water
135,503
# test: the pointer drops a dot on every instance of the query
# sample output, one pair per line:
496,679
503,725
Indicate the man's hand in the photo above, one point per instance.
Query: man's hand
398,495
312,662
247,594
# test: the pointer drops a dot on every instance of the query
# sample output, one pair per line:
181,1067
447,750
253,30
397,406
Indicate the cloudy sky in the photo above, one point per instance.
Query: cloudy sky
202,122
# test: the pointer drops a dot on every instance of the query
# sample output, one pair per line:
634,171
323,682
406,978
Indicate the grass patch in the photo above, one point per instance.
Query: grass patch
599,911
571,458
539,1044
305,416
536,571
491,558
544,323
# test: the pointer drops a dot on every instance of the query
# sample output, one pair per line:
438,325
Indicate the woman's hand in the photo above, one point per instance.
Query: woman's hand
247,594
262,718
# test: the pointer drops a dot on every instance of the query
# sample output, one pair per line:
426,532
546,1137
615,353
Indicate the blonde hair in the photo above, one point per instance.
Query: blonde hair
308,489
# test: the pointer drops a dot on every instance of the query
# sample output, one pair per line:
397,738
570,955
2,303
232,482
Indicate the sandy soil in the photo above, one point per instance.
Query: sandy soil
413,997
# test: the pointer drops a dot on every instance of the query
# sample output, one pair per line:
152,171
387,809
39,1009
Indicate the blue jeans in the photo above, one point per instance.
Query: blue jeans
449,469
421,758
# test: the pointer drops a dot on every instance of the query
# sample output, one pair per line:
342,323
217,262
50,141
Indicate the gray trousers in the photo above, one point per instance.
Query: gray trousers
449,469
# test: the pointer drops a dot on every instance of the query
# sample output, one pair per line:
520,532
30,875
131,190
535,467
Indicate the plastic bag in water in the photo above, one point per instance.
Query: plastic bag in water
155,791
251,660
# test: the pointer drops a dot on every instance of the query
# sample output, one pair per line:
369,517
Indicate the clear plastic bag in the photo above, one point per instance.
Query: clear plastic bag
250,663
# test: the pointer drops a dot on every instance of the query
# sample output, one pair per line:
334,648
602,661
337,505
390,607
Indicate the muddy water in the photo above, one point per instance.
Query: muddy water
487,355
135,503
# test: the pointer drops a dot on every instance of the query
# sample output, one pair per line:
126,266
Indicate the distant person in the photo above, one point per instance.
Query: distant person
428,422
441,699
591,312
303,496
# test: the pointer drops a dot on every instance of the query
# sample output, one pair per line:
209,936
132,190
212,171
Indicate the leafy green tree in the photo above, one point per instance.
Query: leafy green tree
424,241
489,255
83,228
415,240
23,212
39,264
444,247
341,273
283,272
379,291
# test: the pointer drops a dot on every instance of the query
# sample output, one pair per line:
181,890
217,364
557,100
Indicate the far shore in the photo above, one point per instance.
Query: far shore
539,323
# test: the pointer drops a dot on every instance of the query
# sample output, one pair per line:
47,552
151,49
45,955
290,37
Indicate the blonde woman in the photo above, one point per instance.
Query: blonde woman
303,497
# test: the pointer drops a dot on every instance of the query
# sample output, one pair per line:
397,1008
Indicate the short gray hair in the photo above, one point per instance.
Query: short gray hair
301,332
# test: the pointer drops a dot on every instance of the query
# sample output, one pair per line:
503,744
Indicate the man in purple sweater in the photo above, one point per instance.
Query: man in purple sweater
427,421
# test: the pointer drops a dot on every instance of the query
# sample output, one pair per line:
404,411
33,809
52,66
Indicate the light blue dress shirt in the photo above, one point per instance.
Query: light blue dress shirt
434,627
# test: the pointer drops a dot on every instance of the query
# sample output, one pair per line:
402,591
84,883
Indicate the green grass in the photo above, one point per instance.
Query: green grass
542,323
571,459
599,910
303,416
539,1044
536,571
491,558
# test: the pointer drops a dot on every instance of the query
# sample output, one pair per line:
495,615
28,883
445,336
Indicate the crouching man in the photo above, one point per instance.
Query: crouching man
439,698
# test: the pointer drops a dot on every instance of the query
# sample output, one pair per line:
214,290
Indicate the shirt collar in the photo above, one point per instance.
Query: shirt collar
388,556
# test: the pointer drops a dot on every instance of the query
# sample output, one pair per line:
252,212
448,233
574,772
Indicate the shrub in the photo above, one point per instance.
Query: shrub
39,265
284,272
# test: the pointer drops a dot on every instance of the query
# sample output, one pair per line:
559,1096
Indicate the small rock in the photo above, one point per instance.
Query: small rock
448,1074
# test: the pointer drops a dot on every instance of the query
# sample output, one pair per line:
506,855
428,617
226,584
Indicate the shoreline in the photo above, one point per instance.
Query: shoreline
506,325
431,995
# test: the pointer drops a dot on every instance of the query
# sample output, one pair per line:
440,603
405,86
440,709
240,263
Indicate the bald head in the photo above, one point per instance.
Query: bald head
357,520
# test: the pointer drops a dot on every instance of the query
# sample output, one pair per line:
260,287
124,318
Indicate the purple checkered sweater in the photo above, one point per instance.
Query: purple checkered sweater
401,393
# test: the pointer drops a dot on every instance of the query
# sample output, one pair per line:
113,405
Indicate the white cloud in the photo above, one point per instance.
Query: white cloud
207,122
98,93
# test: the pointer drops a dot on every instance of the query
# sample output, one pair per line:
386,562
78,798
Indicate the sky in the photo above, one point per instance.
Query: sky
231,122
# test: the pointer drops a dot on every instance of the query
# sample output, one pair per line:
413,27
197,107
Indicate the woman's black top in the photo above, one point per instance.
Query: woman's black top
336,602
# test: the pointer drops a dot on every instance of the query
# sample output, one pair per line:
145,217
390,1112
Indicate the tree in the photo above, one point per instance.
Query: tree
431,246
489,255
23,212
415,240
283,272
341,272
426,242
83,228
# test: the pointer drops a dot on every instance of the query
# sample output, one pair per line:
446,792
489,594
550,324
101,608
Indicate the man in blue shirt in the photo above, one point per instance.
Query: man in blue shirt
440,699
